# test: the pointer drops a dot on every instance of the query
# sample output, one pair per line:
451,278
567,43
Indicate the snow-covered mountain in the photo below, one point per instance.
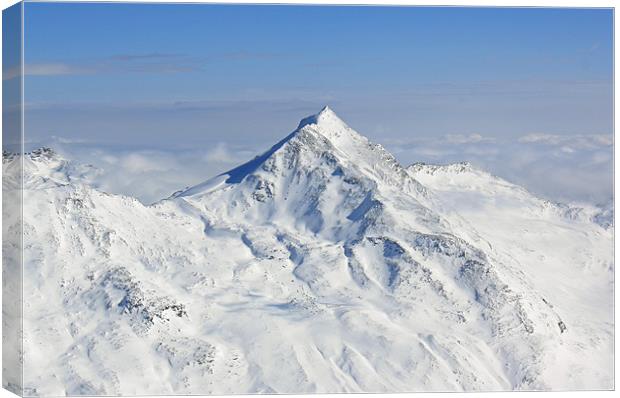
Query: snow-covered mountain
322,265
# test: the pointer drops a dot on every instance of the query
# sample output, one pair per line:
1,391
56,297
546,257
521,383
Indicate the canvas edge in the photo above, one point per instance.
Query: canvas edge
12,199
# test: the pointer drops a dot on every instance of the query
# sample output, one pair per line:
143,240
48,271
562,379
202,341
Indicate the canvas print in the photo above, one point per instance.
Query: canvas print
234,198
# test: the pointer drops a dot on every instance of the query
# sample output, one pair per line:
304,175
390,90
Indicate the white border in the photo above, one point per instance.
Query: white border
475,3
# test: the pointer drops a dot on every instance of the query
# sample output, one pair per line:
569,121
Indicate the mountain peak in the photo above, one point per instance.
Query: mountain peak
321,132
328,125
42,154
44,168
326,118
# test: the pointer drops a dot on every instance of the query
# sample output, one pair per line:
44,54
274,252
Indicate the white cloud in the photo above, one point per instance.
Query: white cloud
601,157
558,167
563,168
144,163
466,139
579,141
544,138
64,140
151,175
219,153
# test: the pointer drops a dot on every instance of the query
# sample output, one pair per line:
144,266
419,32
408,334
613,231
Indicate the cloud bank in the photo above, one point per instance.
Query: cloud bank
565,168
150,174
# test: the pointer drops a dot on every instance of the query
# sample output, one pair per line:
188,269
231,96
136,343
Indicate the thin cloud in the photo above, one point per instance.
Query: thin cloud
569,142
52,69
43,69
234,105
466,139
65,140
148,56
154,62
444,141
122,63
247,55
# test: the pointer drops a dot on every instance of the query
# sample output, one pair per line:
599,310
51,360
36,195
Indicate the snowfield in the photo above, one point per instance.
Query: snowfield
322,265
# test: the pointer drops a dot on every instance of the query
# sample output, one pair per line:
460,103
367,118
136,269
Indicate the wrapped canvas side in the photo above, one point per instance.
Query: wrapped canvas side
12,191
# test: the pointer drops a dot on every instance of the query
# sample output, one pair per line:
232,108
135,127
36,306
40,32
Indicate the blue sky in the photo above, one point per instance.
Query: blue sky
180,77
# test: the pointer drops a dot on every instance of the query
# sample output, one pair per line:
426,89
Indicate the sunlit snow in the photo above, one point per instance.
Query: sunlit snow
322,265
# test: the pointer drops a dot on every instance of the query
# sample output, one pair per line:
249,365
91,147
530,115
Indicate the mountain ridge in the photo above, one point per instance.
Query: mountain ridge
324,130
425,281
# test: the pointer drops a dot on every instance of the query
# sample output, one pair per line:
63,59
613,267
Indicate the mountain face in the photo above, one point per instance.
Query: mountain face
322,265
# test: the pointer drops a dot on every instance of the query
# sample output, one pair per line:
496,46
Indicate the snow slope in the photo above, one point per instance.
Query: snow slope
322,265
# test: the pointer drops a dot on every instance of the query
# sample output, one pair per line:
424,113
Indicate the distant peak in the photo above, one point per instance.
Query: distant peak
39,154
43,153
326,117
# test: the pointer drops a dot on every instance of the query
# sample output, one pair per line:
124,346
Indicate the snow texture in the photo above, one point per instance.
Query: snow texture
322,265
